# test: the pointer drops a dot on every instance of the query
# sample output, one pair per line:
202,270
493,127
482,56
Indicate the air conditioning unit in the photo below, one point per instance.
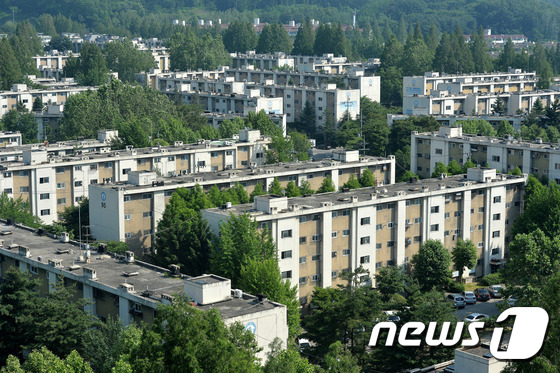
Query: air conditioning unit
237,293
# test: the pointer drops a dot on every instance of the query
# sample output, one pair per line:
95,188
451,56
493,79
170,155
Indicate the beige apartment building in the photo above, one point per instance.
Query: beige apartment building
130,211
120,286
503,154
50,183
320,236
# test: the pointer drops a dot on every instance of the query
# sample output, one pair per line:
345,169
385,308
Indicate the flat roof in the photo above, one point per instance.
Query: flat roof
111,271
388,193
488,140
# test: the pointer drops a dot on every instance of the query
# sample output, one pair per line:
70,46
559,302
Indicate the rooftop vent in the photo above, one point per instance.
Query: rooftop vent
128,288
262,297
129,256
90,273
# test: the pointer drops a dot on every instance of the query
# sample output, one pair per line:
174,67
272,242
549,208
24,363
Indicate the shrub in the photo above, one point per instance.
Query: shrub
456,287
491,279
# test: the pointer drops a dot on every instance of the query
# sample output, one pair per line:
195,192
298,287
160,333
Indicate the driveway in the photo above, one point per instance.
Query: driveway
488,308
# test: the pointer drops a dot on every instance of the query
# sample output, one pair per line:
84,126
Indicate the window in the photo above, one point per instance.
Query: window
78,183
481,209
44,196
379,227
243,149
346,252
390,225
496,217
286,254
315,217
315,278
213,154
378,265
390,243
61,186
24,189
303,280
8,190
108,164
481,227
481,244
168,193
418,220
24,173
302,219
457,213
446,234
60,170
61,201
147,232
243,163
417,238
316,258
447,215
346,212
45,212
495,251
364,240
286,234
495,234
335,214
379,207
334,254
141,162
497,199
310,176
185,157
126,216
78,199
315,238
126,198
495,158
302,240
125,171
364,221
434,228
334,234
147,214
7,174
93,181
34,270
334,274
346,233
128,235
434,209
364,259
439,151
201,163
146,195
378,245
286,274
93,167
229,152
43,180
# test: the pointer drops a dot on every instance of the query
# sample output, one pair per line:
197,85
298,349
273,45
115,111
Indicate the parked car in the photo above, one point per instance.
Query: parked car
303,344
482,294
495,291
469,296
392,316
457,300
511,301
475,317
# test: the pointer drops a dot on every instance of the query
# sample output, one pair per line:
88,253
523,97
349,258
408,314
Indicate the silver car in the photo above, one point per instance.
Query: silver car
469,296
457,300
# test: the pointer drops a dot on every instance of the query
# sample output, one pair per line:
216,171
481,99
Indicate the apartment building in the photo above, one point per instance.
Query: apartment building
10,139
449,120
51,183
51,64
20,93
120,286
319,237
130,211
503,154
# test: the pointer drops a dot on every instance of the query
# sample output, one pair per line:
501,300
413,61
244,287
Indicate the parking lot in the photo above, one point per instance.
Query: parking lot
488,308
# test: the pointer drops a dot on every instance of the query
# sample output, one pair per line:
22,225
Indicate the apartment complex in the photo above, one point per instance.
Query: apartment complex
449,120
123,287
503,154
50,183
10,139
20,93
216,119
319,237
130,211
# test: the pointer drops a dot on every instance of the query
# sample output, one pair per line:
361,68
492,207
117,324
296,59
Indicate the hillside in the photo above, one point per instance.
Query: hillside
537,19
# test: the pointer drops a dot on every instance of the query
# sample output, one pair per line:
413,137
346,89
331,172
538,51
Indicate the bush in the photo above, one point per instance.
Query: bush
396,301
491,279
456,287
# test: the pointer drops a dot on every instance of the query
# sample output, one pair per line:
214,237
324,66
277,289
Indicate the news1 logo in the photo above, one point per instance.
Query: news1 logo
526,339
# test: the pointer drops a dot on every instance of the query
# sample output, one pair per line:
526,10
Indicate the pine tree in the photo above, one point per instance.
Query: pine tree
274,38
240,37
443,59
432,38
305,39
506,58
258,191
10,72
480,53
367,179
275,187
327,186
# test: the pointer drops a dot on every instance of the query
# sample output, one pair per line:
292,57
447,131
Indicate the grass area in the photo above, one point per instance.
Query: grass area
472,286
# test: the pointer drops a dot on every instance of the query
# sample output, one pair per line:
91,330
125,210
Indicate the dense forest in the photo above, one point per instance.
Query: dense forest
537,19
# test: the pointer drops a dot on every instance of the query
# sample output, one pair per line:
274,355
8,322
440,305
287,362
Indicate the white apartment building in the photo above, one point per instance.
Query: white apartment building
50,183
503,154
320,236
10,139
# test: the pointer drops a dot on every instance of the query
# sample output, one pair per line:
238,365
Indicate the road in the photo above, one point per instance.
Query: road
488,308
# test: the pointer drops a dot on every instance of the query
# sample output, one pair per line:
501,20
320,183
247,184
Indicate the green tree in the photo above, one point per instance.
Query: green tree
417,57
305,39
454,168
374,126
274,38
21,120
187,51
340,360
352,183
10,72
539,62
516,171
331,39
440,169
258,276
183,338
389,281
239,241
42,360
539,199
307,119
18,210
407,176
305,188
240,37
258,191
499,107
477,126
122,57
479,51
367,179
183,237
327,186
505,128
60,43
89,68
275,187
431,265
464,255
286,360
38,104
292,190
506,58
468,164
73,216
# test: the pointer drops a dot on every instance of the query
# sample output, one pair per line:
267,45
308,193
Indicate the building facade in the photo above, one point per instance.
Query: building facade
123,287
319,237
50,183
130,211
503,154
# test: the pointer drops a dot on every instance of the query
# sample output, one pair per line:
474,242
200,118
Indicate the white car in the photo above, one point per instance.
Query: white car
303,344
475,317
